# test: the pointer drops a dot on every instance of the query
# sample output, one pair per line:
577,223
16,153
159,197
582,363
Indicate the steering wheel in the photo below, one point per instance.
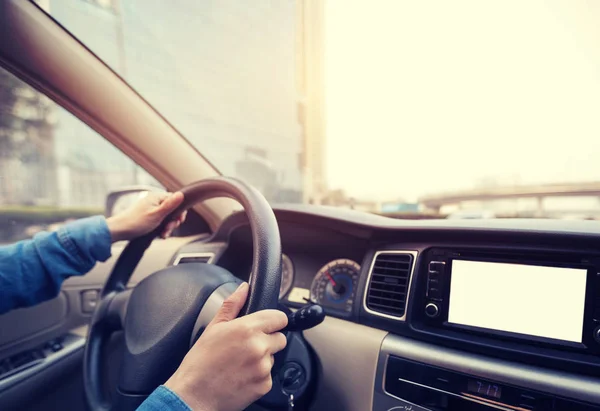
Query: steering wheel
161,315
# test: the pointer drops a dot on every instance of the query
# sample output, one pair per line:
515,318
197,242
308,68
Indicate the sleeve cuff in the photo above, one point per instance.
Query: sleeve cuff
87,238
163,399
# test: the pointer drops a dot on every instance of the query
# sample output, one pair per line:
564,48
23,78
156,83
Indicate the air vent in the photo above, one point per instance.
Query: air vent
184,258
389,282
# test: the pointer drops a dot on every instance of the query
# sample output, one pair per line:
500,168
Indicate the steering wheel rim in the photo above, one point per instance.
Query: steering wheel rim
111,311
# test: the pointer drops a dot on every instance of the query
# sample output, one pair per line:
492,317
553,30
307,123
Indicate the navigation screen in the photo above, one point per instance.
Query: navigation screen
541,301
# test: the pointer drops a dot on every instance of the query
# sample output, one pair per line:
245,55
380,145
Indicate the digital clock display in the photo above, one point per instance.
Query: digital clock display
486,389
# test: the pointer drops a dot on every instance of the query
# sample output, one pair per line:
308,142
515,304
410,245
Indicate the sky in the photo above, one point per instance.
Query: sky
427,97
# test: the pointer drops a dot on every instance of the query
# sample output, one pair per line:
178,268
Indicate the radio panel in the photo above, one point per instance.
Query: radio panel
435,388
531,297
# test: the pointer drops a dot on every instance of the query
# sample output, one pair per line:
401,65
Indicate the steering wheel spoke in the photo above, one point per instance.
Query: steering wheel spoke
112,309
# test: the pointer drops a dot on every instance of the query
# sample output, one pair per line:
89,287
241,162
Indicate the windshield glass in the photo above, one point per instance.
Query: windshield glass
466,110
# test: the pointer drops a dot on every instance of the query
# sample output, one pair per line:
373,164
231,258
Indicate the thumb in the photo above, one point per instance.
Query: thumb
232,305
169,204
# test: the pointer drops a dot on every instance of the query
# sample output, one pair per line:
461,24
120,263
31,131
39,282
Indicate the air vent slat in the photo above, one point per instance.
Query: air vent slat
388,279
185,260
396,300
381,286
388,284
386,307
376,292
380,263
193,258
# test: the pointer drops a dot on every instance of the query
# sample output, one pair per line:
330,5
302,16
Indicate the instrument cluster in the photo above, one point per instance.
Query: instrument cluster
333,286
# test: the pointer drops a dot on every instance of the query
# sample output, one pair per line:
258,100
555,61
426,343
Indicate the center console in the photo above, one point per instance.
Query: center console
506,329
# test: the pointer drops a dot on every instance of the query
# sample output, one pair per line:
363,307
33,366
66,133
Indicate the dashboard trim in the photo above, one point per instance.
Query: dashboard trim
558,383
412,271
180,256
503,407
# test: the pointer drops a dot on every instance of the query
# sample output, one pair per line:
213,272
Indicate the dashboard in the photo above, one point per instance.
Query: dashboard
522,291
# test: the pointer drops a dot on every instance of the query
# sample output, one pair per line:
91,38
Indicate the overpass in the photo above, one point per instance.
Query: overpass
436,201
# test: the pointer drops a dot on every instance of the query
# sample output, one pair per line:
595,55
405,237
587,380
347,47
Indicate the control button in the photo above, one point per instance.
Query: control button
597,334
596,313
440,379
527,401
56,347
437,266
89,300
432,310
434,293
443,381
433,283
433,276
20,360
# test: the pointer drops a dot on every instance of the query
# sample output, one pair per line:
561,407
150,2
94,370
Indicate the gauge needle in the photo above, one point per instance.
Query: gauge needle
330,278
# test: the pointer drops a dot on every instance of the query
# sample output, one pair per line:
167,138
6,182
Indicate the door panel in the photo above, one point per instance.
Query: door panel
31,321
60,387
29,336
29,394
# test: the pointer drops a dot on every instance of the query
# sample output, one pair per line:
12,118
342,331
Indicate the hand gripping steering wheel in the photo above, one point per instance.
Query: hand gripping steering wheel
159,315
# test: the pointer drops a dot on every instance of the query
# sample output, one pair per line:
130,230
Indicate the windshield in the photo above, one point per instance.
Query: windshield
466,110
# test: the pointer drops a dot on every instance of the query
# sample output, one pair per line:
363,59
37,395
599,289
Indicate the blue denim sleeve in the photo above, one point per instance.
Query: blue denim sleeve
32,271
163,399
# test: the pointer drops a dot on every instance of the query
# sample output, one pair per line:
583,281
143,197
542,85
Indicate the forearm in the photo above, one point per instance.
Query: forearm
33,270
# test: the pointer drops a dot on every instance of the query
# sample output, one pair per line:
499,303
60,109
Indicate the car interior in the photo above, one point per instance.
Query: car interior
455,314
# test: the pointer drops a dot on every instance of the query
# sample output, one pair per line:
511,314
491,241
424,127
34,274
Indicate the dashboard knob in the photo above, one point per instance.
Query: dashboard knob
432,310
597,334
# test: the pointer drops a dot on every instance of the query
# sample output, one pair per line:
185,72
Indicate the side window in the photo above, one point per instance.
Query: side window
53,167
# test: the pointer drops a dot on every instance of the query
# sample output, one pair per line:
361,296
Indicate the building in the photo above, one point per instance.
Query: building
27,138
223,73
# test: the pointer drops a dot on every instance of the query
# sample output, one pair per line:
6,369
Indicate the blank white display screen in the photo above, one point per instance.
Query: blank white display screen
541,301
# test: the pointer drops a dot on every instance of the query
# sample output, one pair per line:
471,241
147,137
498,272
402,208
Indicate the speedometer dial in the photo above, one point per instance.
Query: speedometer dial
287,276
335,284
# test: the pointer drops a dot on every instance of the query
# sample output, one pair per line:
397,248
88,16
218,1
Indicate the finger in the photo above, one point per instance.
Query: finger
277,342
232,305
268,321
170,203
182,217
171,226
169,229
